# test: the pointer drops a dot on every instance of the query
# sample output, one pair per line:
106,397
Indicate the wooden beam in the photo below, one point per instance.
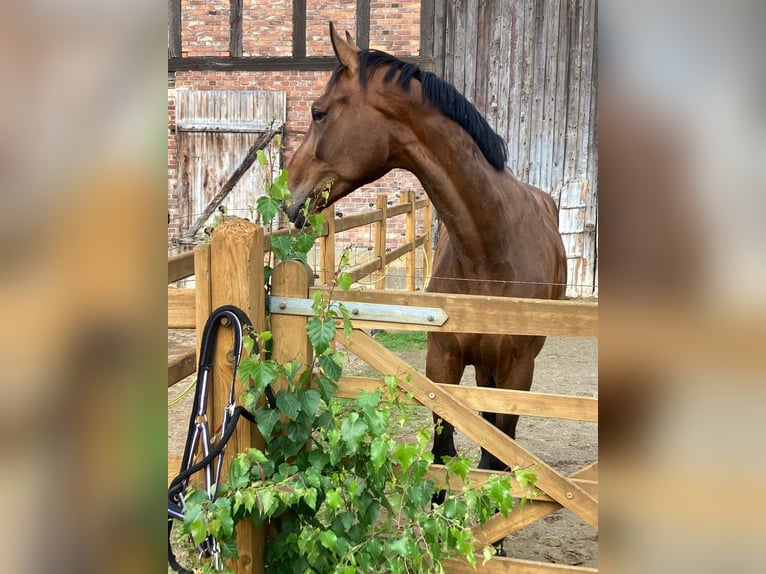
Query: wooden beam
180,266
181,365
235,28
182,309
498,565
259,64
362,24
484,314
503,401
299,29
472,424
174,29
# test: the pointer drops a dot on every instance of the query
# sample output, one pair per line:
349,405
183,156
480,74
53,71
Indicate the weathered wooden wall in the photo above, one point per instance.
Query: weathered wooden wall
530,67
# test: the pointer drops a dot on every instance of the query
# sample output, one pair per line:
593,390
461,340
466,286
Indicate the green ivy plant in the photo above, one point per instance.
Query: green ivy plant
343,494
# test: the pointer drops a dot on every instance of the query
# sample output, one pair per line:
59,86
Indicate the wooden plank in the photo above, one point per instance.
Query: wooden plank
499,526
477,477
358,220
459,39
427,14
504,401
471,8
514,44
498,565
400,208
362,24
299,29
472,424
181,365
440,38
235,28
407,248
560,95
174,466
174,28
180,266
548,95
182,313
234,246
539,48
490,315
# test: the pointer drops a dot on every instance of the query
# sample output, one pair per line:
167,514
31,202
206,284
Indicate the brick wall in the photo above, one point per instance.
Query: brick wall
267,31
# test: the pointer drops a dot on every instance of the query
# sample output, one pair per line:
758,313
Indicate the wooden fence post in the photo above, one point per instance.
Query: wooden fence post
409,239
381,203
290,340
236,278
428,245
327,249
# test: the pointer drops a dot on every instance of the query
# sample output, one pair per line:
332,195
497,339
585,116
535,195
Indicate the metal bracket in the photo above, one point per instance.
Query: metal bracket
364,311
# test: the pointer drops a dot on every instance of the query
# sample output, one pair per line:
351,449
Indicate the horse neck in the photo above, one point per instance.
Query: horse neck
474,200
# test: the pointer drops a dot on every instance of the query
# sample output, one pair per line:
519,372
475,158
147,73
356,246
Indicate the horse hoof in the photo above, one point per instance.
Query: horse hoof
439,498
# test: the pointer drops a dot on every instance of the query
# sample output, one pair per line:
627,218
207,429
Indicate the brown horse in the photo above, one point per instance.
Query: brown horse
378,113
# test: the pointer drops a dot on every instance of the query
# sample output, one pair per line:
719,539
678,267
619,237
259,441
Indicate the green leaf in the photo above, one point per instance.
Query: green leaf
405,454
321,333
261,156
458,465
328,539
379,448
368,399
310,401
239,471
352,430
344,281
304,242
329,366
268,208
266,419
288,404
267,502
333,500
282,246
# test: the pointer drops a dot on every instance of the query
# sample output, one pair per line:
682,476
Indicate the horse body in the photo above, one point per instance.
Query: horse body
501,235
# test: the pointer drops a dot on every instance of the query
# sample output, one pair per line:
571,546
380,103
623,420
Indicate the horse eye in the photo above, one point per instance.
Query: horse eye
318,115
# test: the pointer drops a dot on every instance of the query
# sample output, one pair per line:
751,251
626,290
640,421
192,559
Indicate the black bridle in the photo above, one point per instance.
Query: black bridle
199,431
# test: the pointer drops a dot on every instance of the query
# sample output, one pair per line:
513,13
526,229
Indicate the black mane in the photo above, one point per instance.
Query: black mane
443,96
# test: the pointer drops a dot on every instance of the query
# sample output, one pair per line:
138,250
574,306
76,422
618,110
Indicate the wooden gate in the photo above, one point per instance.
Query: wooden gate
216,130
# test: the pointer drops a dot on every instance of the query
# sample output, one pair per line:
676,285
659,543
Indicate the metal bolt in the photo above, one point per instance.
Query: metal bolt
225,321
283,306
431,318
569,495
354,311
431,396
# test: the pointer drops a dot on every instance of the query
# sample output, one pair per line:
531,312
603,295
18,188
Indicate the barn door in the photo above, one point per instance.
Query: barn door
215,130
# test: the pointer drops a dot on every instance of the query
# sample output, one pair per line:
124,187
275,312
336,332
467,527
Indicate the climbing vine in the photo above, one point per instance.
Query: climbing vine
343,494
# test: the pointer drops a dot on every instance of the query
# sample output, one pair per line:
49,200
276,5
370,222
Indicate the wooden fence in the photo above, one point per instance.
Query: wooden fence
225,277
181,301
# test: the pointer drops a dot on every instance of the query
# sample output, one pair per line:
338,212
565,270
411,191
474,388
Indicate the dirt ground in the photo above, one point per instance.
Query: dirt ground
566,365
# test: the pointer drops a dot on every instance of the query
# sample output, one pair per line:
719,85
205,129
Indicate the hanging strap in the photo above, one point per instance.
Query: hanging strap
199,433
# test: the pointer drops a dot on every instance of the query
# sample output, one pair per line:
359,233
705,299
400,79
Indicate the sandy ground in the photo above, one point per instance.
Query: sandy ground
565,366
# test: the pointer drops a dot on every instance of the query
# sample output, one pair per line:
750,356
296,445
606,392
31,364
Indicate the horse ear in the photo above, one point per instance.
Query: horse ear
350,40
346,52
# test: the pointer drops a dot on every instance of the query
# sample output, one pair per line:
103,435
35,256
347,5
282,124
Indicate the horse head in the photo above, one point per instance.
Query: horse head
347,144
